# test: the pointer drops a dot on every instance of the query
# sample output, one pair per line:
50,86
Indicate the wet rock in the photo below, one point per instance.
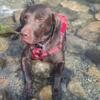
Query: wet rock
13,64
1,96
45,93
15,48
93,54
94,73
94,7
82,20
16,16
76,88
13,3
9,24
79,65
94,1
4,95
76,45
2,63
41,74
41,69
91,32
3,83
33,99
74,5
39,1
4,44
72,15
97,16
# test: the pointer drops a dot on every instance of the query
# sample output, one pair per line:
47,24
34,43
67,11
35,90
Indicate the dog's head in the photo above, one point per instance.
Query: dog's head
37,22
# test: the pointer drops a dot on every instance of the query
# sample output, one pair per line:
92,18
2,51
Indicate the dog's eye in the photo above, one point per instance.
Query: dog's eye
26,17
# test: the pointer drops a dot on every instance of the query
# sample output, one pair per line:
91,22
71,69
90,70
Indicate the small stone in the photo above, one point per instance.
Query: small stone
33,99
94,72
41,68
94,1
46,93
97,16
73,5
1,97
76,45
3,83
17,16
2,63
76,88
90,32
3,44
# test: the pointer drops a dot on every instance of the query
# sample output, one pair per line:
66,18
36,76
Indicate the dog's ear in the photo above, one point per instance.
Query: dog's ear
53,18
53,21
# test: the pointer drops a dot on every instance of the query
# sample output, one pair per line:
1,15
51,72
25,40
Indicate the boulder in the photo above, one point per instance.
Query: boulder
97,16
93,54
46,93
94,1
74,5
76,45
90,32
4,44
76,88
94,73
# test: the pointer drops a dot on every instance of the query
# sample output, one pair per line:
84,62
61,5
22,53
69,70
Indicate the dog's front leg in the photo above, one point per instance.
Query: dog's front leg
26,66
59,67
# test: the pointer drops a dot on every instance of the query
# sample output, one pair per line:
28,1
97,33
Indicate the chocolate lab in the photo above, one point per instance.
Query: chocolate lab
43,32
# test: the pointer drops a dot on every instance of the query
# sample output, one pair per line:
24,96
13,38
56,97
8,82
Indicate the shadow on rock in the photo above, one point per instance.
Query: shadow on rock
93,55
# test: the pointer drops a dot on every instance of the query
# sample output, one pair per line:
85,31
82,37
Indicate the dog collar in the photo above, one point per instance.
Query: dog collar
39,54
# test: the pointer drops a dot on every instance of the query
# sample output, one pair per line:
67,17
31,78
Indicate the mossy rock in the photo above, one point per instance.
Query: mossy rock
3,44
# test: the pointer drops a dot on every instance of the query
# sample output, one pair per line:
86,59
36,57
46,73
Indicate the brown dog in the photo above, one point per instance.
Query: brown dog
43,32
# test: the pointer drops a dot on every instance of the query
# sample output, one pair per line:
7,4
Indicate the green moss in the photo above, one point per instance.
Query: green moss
1,27
5,30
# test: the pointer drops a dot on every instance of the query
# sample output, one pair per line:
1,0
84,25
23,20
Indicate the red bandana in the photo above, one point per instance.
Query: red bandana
37,54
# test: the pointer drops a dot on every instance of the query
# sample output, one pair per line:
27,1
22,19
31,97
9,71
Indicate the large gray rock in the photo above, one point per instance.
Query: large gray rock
94,1
91,32
76,45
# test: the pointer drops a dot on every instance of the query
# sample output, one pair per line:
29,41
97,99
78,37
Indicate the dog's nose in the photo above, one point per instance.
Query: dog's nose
27,29
23,34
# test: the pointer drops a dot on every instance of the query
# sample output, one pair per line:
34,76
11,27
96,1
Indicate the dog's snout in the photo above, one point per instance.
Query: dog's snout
23,34
27,29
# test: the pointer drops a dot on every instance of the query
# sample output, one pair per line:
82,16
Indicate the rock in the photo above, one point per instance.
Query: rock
82,20
93,54
90,32
48,2
8,25
16,16
46,93
3,83
41,73
13,4
94,7
97,16
76,45
40,1
71,15
94,1
1,96
41,69
13,64
94,73
2,63
76,88
74,5
33,99
4,44
15,48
